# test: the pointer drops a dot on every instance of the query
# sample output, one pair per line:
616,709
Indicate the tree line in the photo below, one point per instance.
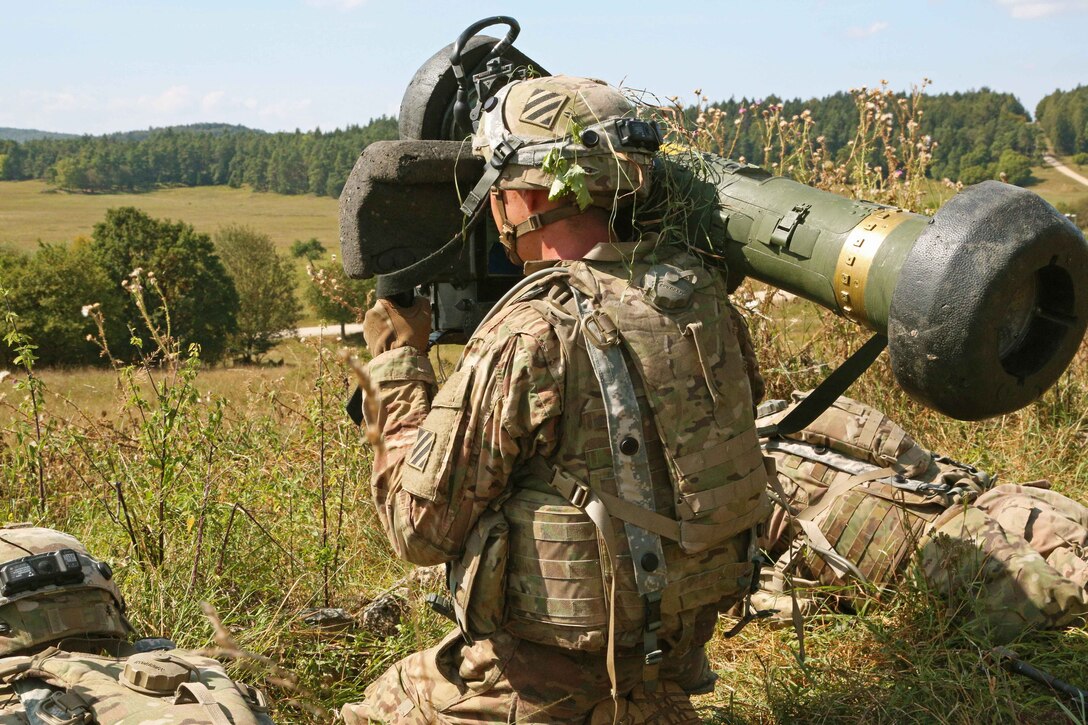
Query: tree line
313,162
1063,116
980,134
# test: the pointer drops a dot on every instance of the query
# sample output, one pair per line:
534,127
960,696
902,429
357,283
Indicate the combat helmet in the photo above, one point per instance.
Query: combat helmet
52,589
556,122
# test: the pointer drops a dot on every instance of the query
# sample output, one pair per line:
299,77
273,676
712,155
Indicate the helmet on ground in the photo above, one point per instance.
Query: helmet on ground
52,589
535,128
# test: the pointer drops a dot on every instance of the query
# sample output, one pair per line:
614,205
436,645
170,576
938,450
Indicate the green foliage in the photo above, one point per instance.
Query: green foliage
49,291
1081,159
203,154
569,178
265,282
970,129
203,303
335,296
1063,116
1014,168
311,250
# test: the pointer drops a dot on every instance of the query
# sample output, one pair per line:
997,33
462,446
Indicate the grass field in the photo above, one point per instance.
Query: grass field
31,211
247,488
1057,188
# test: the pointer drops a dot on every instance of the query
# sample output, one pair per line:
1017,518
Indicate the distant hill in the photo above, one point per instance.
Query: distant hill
30,134
215,129
200,154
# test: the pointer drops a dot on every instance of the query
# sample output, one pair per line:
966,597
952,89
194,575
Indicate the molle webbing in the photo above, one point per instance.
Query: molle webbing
91,688
694,423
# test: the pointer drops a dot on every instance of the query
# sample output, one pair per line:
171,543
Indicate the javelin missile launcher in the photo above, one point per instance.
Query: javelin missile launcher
983,304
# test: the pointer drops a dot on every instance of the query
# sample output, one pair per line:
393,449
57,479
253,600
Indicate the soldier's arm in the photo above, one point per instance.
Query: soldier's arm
450,456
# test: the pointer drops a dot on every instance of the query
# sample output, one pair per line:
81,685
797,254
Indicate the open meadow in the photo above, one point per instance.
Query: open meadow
247,488
31,211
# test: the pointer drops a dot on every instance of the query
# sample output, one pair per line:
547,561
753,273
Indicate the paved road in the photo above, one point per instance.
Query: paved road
1063,169
326,330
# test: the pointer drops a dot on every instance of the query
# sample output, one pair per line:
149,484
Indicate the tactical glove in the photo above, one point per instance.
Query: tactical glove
386,326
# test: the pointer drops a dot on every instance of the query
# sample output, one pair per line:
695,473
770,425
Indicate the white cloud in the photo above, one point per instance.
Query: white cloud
1034,9
58,101
873,29
172,100
211,101
337,4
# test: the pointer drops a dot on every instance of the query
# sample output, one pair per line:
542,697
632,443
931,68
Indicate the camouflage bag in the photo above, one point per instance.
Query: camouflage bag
864,494
572,581
152,688
477,581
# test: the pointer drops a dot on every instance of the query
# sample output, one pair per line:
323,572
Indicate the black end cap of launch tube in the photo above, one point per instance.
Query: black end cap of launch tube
991,303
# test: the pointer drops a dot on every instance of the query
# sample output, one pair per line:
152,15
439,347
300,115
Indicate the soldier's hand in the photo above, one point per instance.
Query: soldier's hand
386,326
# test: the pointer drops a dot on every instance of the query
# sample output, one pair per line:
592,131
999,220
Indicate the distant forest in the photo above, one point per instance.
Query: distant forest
312,162
1063,116
973,130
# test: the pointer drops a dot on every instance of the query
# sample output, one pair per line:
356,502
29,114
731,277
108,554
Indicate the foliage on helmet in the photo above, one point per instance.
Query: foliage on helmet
568,142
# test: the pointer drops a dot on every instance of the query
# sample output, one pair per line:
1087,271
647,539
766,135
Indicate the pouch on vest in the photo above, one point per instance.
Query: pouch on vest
477,581
427,463
171,688
876,527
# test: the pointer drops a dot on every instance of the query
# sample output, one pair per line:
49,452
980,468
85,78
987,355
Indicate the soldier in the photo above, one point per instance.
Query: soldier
65,655
857,498
591,471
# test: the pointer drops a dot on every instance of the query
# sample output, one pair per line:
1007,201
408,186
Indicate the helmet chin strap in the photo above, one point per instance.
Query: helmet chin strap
508,233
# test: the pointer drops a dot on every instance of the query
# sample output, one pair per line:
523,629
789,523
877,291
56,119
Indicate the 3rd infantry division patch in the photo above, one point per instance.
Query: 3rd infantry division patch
543,107
421,449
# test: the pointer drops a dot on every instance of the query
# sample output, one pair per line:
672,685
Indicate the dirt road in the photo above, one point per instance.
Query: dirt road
326,330
1063,169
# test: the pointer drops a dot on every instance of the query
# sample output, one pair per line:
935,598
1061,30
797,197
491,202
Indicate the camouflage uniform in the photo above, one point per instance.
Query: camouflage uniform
65,655
466,467
866,499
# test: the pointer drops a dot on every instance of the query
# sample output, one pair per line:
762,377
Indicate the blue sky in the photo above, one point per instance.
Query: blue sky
95,66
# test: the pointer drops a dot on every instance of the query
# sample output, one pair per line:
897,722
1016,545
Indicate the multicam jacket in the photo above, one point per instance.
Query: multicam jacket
480,467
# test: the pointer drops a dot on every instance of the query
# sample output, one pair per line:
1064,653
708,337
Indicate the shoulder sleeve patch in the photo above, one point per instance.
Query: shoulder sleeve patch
428,464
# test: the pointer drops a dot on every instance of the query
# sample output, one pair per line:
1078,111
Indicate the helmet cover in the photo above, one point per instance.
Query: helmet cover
92,606
575,117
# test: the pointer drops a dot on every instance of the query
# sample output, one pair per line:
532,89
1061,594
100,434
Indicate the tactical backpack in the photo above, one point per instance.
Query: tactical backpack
856,494
58,687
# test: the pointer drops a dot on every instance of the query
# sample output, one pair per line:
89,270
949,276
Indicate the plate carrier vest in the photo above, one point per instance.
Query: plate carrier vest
647,511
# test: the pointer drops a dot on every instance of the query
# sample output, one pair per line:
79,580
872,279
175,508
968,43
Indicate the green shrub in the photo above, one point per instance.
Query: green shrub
203,303
48,291
265,281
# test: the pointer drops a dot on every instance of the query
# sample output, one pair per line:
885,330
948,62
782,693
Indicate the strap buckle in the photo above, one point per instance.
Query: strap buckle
64,708
654,658
600,329
531,224
501,152
579,495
